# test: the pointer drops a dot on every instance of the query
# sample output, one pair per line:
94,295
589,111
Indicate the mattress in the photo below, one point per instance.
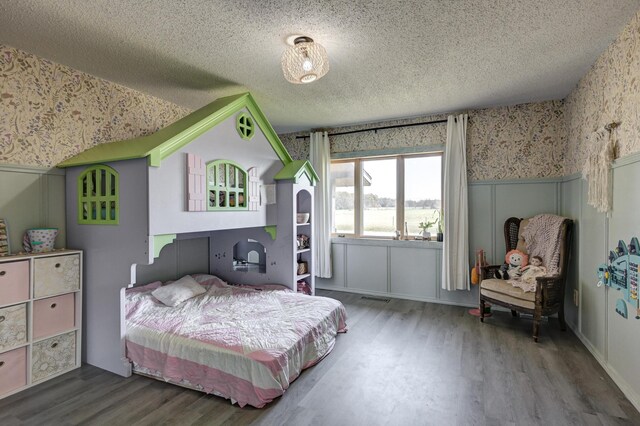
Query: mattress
241,343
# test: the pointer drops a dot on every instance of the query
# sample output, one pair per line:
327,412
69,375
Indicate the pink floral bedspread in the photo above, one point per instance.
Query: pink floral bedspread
235,342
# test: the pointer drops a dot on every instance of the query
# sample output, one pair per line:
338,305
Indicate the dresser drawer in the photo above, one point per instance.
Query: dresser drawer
53,355
13,326
14,282
55,275
13,370
53,315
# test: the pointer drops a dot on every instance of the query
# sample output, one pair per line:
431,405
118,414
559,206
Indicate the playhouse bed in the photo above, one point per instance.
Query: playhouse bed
239,343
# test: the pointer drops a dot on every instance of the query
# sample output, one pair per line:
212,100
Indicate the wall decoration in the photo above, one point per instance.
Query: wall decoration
621,308
5,248
49,112
622,274
608,92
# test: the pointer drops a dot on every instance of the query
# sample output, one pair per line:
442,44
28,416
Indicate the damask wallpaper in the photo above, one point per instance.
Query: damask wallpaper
513,142
610,91
49,112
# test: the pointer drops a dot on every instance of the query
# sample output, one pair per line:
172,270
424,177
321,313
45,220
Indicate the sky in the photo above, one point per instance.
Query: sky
422,177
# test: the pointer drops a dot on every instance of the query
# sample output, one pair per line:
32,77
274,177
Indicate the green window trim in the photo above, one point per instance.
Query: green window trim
99,196
245,126
226,186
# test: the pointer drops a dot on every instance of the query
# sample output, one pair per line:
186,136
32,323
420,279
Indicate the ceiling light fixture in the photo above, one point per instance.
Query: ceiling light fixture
305,61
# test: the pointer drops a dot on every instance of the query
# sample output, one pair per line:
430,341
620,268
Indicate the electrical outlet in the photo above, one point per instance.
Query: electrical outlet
576,297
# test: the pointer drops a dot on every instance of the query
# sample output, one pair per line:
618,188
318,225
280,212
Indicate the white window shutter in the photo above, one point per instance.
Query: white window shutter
254,189
196,184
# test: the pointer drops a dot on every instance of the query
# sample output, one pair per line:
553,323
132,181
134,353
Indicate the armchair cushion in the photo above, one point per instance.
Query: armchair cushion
502,291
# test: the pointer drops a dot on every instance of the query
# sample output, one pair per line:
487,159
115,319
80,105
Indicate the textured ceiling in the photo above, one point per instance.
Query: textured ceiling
389,58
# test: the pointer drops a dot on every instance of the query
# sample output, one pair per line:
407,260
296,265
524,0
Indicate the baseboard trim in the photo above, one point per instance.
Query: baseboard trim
396,296
626,389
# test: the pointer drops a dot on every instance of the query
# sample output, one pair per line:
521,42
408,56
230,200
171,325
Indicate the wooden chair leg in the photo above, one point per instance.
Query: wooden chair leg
514,313
536,325
481,310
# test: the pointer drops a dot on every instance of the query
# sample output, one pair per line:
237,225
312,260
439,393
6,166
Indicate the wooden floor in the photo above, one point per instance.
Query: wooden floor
401,363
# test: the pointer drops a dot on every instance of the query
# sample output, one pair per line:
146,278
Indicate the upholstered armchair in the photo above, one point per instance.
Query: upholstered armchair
548,297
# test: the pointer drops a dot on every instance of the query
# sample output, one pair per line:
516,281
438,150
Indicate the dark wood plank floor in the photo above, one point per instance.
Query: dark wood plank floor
401,363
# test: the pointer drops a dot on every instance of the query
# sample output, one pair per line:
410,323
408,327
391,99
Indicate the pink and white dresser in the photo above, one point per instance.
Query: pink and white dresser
40,317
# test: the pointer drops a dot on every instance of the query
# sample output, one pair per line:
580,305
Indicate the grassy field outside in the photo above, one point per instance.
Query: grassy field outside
381,221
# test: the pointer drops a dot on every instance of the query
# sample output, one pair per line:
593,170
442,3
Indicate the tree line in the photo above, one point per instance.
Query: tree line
344,201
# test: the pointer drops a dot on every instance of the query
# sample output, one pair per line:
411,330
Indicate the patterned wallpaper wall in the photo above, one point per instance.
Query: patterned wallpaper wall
514,142
49,112
610,91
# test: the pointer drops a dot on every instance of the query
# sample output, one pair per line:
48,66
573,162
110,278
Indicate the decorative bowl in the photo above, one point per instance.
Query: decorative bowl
302,218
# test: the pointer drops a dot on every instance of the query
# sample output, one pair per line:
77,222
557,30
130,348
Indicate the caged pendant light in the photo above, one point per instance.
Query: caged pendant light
305,61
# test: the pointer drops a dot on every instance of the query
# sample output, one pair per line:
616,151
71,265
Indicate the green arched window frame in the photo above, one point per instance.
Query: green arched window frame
99,196
226,186
245,126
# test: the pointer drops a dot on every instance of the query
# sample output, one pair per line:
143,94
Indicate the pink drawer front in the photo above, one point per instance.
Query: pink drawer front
53,315
14,282
13,370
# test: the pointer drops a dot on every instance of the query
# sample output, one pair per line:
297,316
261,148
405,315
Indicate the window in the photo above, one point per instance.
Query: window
379,211
226,183
245,126
343,189
377,196
249,255
98,194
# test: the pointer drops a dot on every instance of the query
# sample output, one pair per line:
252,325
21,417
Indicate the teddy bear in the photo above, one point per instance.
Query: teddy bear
515,261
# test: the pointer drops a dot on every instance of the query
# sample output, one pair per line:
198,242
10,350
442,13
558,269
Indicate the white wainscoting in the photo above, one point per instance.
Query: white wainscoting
32,197
612,339
411,269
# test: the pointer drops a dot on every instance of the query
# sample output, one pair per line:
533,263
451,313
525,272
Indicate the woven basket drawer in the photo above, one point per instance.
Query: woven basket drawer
13,370
55,275
13,326
53,355
53,315
14,282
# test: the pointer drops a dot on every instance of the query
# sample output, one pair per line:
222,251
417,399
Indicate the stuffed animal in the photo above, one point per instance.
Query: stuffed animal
532,271
515,261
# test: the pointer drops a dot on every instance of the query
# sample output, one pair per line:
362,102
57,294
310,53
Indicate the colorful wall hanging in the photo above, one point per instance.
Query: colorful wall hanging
622,274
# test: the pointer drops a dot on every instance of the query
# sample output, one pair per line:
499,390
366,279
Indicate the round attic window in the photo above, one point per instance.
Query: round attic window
245,126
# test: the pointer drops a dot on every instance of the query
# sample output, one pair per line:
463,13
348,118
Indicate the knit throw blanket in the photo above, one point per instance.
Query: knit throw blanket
542,238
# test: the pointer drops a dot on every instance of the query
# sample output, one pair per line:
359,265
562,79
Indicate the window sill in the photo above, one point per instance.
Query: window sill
387,242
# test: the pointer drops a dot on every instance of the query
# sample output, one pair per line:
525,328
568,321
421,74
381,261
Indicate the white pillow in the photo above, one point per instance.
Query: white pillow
178,291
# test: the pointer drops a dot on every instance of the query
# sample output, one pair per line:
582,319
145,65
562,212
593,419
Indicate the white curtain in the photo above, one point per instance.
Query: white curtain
455,251
321,162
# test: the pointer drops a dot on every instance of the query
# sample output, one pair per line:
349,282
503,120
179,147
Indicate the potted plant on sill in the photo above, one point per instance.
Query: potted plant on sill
426,235
440,235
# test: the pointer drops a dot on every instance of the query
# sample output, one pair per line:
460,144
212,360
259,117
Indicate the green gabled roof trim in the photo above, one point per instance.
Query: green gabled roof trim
271,230
295,169
170,139
159,241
